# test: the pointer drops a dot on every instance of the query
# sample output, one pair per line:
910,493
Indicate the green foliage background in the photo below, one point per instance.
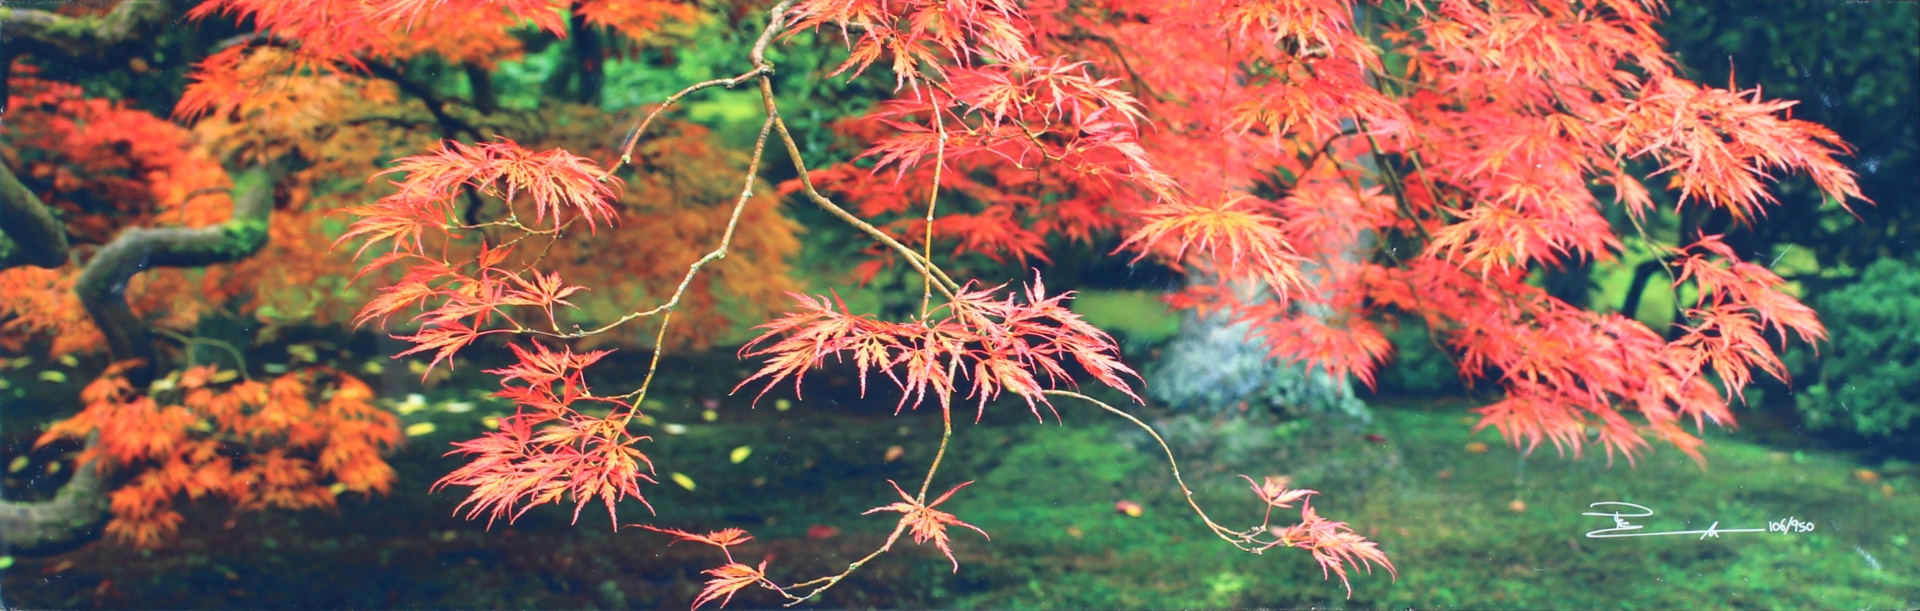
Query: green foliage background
1868,378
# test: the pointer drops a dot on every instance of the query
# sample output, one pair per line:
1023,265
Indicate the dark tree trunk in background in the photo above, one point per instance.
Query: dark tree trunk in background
1572,284
588,56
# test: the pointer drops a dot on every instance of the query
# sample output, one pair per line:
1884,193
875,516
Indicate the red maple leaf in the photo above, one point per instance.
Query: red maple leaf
925,522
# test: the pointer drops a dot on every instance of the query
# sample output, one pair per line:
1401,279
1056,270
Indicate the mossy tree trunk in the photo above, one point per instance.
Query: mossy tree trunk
1216,366
103,284
29,228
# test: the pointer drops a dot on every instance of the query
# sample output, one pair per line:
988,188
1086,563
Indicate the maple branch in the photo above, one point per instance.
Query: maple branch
1399,189
239,359
764,68
946,433
1637,287
449,124
933,200
1115,48
96,40
775,19
46,526
1218,530
760,68
718,253
102,285
30,234
946,284
626,147
834,579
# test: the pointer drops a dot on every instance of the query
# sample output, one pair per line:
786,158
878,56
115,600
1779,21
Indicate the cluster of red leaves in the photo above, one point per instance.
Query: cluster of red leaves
1333,545
1005,123
467,296
730,578
295,442
918,518
924,522
329,36
103,166
549,448
1481,145
1000,344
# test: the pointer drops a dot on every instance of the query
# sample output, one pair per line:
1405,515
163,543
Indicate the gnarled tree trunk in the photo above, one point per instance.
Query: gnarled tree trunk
26,225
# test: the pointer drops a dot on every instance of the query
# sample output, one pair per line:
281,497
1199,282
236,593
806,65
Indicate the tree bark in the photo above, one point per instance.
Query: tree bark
29,233
90,41
103,284
587,55
70,518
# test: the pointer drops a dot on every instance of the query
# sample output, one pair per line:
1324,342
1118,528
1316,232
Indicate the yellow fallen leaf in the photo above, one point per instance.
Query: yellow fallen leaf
225,376
19,462
20,363
53,468
4,384
740,454
373,368
68,360
53,376
682,479
492,422
782,404
415,402
337,488
420,428
709,415
302,353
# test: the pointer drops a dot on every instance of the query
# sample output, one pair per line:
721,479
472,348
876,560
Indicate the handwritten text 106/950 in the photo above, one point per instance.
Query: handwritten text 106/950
1624,528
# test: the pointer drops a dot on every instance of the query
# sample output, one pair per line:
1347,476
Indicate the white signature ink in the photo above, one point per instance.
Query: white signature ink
1624,528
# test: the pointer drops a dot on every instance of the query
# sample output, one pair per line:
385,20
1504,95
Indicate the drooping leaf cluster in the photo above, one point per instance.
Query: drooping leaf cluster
1414,159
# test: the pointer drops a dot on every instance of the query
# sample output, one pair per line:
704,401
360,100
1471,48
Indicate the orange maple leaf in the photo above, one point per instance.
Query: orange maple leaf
729,579
926,523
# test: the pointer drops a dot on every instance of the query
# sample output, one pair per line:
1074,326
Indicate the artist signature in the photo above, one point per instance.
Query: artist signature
1624,528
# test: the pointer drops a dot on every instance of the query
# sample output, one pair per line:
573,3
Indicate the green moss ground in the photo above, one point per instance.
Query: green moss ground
1045,492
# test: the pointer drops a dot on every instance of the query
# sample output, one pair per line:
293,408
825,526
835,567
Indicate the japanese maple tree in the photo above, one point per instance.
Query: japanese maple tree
1328,164
125,228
